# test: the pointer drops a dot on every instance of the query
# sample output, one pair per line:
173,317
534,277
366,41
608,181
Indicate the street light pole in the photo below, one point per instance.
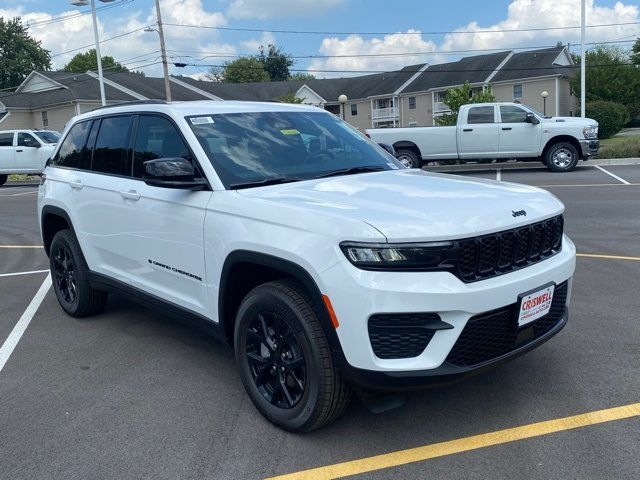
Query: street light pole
343,100
544,94
583,83
163,52
98,56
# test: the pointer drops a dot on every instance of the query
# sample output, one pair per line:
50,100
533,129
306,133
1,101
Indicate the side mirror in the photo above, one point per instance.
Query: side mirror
388,148
174,172
532,119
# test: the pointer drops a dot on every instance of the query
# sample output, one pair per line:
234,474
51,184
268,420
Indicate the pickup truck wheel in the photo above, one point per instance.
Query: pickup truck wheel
408,158
3,179
284,359
562,157
69,273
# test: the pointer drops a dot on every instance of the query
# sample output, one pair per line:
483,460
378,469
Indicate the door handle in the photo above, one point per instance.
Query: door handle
19,150
467,129
130,195
76,184
506,128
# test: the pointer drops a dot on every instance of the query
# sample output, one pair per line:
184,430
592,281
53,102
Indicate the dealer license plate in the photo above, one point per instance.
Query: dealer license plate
535,304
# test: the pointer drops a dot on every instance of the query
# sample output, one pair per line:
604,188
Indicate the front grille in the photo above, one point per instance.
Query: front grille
401,335
487,256
491,334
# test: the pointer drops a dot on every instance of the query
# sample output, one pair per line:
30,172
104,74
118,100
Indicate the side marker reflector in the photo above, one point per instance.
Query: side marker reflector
332,314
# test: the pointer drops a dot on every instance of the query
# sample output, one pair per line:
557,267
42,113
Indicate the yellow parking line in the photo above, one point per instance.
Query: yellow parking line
608,257
419,454
20,246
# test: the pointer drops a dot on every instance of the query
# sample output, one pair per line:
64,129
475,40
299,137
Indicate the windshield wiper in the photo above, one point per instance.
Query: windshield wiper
264,182
352,170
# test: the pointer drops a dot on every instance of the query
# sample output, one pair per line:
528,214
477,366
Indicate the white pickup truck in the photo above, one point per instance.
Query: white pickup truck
25,151
496,131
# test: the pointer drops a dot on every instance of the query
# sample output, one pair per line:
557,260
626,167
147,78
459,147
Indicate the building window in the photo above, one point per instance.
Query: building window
45,120
412,103
517,90
354,109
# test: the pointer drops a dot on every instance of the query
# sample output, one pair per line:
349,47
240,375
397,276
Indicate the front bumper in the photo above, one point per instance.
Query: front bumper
356,295
589,148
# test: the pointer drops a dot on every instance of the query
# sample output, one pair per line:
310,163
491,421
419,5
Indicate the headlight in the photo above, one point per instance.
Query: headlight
398,256
590,132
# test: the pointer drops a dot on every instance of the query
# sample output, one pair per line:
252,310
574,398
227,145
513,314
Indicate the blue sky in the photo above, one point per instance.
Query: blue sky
364,52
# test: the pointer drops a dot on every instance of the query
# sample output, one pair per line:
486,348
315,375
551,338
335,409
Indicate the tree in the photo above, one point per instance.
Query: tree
242,70
83,62
635,52
302,76
19,53
275,62
288,98
610,77
456,97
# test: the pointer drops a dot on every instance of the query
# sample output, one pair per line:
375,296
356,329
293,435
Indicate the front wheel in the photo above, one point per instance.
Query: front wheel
408,158
562,157
3,179
284,359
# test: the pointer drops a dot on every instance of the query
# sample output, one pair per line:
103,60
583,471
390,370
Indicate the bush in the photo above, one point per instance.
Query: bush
611,116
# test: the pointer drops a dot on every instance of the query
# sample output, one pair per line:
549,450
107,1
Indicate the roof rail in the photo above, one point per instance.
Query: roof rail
133,102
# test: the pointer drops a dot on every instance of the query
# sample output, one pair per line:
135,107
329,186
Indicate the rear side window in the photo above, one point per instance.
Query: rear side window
480,115
6,139
157,137
73,152
111,152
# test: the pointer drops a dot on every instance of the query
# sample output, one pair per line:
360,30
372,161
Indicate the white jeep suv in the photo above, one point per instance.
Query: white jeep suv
312,251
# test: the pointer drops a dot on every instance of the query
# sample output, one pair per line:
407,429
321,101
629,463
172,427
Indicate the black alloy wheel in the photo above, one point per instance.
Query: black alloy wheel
64,273
276,360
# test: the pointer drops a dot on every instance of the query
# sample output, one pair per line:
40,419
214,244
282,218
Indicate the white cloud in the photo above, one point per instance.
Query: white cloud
522,14
263,9
251,46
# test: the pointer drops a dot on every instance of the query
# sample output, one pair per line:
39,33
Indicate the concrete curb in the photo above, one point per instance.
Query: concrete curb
536,165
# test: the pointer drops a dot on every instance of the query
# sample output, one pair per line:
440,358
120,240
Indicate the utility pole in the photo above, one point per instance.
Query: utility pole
583,60
98,56
163,52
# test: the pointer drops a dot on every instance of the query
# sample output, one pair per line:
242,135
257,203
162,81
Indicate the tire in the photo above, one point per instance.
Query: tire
408,158
3,179
277,328
70,276
561,157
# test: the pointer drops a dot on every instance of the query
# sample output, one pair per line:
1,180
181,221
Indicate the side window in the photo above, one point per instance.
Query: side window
157,137
73,153
6,139
110,155
27,140
512,114
480,115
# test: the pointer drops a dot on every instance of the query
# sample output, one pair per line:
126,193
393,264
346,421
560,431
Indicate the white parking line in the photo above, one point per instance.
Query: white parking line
16,334
15,274
612,174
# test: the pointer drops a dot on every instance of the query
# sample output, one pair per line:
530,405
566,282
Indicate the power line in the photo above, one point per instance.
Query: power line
444,32
101,42
400,54
58,18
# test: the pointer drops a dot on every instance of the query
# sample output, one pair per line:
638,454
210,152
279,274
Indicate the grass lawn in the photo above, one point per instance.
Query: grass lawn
620,147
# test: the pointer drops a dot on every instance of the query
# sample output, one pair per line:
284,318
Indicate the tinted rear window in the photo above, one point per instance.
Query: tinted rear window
480,115
111,152
6,139
73,152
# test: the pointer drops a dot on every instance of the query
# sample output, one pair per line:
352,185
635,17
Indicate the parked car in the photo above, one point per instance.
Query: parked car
318,257
25,151
496,131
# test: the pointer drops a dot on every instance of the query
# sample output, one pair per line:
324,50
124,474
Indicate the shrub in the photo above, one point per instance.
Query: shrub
627,148
611,116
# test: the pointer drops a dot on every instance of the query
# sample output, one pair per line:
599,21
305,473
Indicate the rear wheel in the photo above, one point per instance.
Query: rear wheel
70,276
408,158
562,157
284,359
3,179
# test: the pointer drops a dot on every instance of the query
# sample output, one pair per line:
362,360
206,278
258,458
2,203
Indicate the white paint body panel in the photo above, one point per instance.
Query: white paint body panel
304,223
26,160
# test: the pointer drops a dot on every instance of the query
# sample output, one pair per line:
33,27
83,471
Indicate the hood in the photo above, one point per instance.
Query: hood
413,205
585,122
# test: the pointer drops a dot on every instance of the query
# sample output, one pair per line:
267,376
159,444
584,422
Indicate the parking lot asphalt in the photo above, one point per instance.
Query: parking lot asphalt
131,393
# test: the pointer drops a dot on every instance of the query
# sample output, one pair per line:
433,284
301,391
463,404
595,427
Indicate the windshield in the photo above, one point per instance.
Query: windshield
48,137
251,147
534,111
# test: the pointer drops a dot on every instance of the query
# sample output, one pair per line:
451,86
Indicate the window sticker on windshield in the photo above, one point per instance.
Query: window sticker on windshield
200,120
290,131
